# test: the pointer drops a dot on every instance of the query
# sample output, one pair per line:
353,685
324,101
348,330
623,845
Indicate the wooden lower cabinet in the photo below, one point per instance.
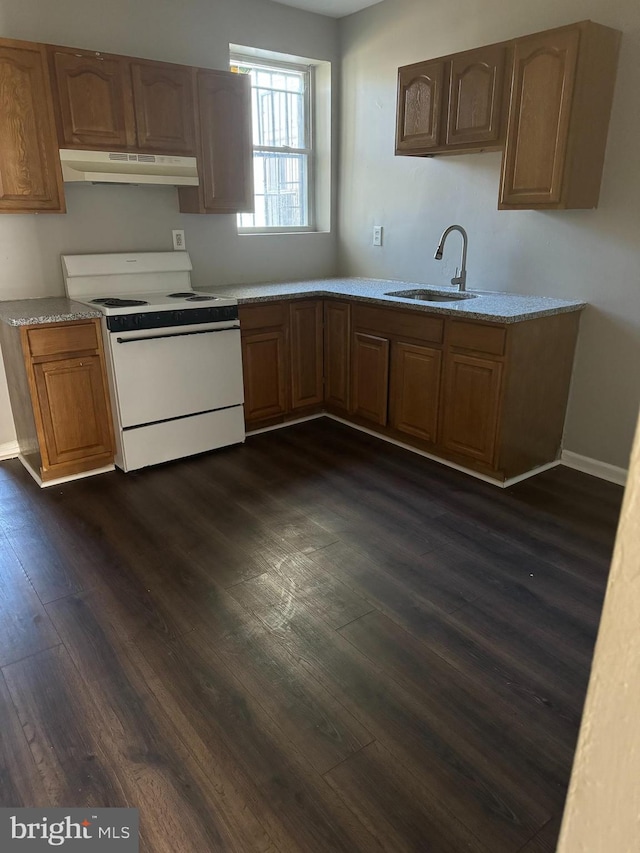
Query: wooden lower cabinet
415,389
59,397
307,368
264,365
471,405
487,396
369,377
73,408
337,346
282,359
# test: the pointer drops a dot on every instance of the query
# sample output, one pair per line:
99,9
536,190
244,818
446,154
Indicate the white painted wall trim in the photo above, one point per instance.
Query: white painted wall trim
286,424
593,466
9,450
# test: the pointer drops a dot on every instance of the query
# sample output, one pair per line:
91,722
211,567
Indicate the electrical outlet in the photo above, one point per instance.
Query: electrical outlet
377,235
178,241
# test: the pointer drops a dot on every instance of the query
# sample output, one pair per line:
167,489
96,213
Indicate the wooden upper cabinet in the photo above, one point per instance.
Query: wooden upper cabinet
225,157
543,88
93,93
419,111
544,98
114,103
164,108
30,174
562,90
453,103
476,87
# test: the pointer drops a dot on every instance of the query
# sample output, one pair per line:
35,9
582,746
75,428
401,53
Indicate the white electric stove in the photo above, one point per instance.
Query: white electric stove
173,354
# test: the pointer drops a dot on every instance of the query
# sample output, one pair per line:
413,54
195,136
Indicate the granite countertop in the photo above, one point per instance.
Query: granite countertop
487,305
48,309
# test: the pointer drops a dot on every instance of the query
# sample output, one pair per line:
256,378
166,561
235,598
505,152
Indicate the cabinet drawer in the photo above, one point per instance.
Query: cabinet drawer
263,316
60,339
403,324
474,336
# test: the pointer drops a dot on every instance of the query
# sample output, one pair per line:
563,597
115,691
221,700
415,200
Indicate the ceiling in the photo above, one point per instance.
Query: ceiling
333,8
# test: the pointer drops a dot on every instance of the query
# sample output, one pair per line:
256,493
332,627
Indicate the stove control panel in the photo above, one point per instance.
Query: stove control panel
165,319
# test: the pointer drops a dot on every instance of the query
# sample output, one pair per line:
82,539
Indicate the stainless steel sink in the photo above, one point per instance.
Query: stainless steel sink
431,295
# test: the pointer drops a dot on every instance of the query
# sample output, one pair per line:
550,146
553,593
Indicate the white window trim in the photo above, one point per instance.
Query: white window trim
319,163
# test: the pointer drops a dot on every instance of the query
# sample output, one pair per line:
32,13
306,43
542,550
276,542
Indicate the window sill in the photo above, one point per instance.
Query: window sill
277,232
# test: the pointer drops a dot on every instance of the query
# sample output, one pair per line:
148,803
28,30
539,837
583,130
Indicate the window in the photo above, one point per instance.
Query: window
282,147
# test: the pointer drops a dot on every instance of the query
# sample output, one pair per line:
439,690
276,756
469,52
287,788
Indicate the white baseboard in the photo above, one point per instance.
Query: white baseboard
484,477
593,466
287,423
9,450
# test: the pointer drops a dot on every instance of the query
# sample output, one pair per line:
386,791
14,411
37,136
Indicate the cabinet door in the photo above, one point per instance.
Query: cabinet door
542,93
94,101
471,404
419,107
226,153
74,410
306,353
336,354
415,389
475,95
163,106
370,377
30,175
264,371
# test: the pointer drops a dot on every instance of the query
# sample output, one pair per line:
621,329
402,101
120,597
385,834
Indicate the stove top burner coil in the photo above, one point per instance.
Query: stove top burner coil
115,302
180,295
201,298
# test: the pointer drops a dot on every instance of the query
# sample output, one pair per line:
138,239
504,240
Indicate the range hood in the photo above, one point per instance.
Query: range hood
120,167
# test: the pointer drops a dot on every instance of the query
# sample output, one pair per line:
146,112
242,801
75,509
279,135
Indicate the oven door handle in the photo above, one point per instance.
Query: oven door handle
175,335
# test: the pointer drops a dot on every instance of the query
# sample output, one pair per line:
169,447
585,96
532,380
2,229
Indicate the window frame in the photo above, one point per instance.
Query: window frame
308,72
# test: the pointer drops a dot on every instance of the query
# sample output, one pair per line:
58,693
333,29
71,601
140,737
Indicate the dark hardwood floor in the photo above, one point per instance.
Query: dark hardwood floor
315,642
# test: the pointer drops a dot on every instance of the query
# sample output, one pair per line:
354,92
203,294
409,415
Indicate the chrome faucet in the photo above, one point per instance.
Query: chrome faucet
458,280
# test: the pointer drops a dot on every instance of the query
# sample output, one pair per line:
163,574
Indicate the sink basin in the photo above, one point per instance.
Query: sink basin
431,295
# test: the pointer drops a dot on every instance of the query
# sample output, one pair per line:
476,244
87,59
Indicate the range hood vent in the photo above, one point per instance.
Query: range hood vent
121,167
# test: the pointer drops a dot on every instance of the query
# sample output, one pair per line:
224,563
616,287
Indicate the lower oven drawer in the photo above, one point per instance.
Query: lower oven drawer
161,442
162,374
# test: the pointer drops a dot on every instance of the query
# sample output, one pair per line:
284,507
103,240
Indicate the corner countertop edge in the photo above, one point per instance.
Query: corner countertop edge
490,306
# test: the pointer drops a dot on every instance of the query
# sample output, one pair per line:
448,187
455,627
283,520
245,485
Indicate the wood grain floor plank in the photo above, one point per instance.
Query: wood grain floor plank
321,729
180,807
546,840
296,579
472,787
20,782
62,726
25,627
400,812
206,701
540,763
549,701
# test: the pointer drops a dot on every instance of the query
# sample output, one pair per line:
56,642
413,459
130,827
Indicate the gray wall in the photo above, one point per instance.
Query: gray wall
109,219
590,255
